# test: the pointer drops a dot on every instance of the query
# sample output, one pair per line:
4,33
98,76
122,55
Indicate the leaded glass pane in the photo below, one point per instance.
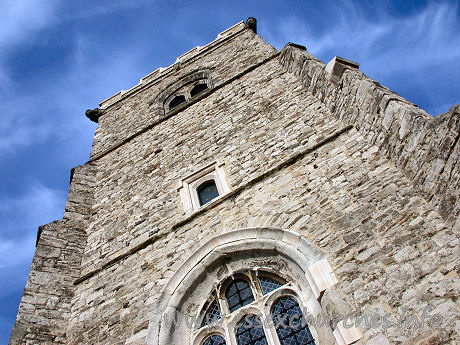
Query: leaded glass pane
268,285
238,294
212,314
250,332
290,324
214,340
207,192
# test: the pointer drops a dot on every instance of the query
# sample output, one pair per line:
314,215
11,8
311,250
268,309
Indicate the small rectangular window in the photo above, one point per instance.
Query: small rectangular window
203,186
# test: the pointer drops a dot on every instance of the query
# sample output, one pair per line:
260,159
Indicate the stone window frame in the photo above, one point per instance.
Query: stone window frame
188,185
172,96
281,251
185,91
182,86
261,307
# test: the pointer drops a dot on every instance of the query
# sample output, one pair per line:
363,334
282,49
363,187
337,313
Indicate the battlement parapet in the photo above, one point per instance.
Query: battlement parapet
161,72
426,148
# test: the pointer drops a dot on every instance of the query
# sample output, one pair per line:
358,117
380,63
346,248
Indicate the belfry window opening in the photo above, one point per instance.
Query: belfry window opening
184,91
176,101
198,89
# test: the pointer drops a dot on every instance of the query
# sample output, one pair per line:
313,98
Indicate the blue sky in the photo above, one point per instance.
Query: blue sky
59,58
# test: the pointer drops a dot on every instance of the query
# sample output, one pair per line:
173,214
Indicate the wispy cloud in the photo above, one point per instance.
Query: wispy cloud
431,33
18,130
56,110
80,8
19,219
22,214
13,254
19,18
383,43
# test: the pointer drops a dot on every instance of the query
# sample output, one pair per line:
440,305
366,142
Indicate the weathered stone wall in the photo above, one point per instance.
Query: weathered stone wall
293,165
389,248
293,161
44,310
115,126
427,149
139,180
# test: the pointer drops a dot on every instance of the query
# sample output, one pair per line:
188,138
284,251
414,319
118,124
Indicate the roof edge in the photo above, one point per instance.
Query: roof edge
425,148
161,72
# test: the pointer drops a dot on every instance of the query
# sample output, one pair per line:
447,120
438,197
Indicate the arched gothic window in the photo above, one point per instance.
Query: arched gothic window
290,325
238,294
250,331
214,340
212,313
275,263
250,306
183,91
268,284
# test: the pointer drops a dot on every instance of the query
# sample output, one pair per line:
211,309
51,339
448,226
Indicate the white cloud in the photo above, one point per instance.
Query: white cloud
57,111
431,34
82,10
40,205
16,253
21,132
413,54
19,18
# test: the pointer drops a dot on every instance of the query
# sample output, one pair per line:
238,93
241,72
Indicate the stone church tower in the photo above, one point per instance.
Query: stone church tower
245,195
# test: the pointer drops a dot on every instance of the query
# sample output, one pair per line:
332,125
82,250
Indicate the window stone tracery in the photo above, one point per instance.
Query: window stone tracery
214,339
212,314
255,319
251,254
183,91
290,324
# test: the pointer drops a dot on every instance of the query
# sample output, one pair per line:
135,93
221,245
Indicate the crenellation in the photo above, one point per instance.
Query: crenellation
221,66
180,59
419,144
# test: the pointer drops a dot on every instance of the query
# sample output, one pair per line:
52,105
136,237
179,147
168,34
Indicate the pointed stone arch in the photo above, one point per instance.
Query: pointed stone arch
250,247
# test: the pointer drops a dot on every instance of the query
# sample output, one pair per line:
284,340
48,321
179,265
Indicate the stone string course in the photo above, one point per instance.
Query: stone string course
379,197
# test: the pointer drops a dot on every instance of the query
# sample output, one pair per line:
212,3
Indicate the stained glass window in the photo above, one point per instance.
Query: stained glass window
238,294
207,191
250,332
268,285
290,324
212,314
288,319
214,340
